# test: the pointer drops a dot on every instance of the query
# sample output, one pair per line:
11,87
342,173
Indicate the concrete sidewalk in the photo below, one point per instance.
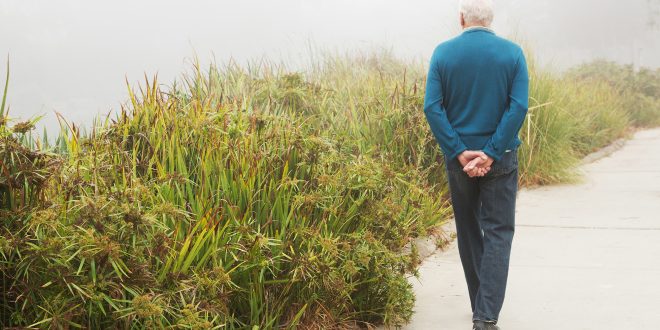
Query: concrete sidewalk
585,256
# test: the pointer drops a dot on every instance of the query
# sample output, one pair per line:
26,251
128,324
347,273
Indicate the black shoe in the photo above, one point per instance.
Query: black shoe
483,325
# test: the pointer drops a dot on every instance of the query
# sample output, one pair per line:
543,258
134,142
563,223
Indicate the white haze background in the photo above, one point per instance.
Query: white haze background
73,56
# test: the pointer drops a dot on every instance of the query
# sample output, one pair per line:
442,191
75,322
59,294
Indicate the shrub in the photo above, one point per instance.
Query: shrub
260,199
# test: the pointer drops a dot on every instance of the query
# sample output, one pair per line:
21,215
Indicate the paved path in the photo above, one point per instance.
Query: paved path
585,256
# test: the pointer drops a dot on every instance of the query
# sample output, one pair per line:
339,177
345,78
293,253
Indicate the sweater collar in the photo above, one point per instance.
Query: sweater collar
478,28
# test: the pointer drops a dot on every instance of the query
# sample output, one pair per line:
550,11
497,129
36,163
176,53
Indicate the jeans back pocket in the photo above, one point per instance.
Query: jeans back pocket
507,163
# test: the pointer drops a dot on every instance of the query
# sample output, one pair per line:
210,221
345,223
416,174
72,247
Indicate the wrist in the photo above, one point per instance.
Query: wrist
491,154
459,153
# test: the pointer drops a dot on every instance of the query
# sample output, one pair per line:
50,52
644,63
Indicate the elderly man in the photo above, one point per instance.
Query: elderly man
476,102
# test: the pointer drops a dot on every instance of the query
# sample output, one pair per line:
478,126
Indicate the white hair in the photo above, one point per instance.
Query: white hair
477,11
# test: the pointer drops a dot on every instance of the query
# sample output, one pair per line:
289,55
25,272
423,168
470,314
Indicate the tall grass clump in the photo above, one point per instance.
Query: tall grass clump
570,116
233,199
637,88
256,198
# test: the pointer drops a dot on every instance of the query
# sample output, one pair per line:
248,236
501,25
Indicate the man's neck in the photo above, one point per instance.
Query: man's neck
477,27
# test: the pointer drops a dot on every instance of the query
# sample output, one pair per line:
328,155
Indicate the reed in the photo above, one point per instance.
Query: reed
253,197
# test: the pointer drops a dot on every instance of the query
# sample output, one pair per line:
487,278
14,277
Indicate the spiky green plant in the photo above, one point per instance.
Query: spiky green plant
235,199
252,198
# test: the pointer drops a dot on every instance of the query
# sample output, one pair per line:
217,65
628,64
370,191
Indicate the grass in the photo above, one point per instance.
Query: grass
255,198
574,114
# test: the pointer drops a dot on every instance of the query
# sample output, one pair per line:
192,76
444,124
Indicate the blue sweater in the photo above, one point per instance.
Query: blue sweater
477,93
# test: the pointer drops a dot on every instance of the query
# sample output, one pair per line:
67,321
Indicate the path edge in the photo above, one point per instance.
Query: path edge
604,152
429,245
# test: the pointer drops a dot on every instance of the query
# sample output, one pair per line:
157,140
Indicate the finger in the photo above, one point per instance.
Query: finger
472,164
470,168
479,167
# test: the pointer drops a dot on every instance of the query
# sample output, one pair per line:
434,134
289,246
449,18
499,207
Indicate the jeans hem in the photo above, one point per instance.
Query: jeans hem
484,319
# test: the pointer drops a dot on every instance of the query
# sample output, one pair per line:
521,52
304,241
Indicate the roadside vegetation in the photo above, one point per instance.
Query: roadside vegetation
261,198
580,111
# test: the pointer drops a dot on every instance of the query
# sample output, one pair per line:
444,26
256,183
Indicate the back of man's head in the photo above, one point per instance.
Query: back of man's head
476,12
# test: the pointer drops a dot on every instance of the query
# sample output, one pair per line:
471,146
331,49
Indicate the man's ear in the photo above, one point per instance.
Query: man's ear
462,19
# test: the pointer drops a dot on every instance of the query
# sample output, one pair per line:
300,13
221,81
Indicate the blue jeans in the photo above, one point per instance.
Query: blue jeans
484,209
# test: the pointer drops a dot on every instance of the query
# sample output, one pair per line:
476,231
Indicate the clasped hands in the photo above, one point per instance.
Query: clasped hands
475,162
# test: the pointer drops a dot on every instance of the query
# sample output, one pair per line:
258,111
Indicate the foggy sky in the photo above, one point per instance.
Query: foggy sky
73,56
